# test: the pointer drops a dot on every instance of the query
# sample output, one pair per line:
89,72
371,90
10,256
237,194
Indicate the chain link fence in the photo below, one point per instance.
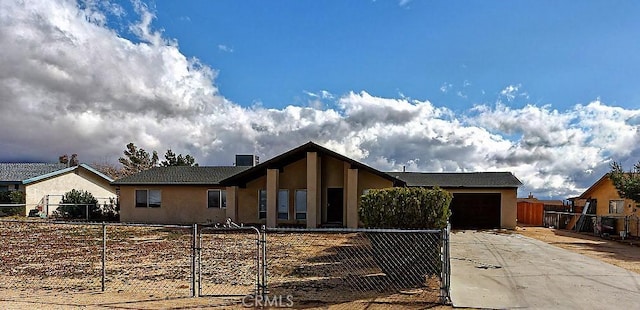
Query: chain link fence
38,256
151,260
318,266
229,261
321,265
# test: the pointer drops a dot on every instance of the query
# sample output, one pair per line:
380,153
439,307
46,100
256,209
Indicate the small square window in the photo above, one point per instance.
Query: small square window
216,198
148,198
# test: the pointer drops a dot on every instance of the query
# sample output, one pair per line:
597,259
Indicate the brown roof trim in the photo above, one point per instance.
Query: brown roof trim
294,155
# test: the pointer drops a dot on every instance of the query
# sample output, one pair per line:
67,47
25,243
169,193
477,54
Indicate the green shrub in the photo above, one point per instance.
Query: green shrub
74,205
12,197
405,207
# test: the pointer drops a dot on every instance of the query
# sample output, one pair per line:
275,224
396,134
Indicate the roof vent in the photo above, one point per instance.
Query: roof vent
247,160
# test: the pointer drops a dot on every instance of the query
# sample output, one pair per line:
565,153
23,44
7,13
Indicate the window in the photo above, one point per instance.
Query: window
301,204
262,204
216,198
616,206
283,204
147,198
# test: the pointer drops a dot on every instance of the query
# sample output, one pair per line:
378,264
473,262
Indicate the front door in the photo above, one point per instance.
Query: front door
334,205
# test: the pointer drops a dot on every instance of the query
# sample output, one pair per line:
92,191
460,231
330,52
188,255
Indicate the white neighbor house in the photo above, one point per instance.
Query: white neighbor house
44,184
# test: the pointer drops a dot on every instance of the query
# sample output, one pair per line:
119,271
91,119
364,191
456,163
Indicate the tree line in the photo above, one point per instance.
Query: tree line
134,160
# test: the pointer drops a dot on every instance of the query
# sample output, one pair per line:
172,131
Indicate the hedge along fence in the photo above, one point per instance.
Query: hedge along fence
405,207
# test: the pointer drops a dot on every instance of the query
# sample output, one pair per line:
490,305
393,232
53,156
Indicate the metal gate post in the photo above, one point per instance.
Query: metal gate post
194,250
263,242
104,255
445,277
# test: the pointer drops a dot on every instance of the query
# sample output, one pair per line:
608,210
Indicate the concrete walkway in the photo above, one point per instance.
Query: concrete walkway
495,270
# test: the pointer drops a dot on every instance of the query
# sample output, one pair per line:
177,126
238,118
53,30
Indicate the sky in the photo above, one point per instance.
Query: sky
547,90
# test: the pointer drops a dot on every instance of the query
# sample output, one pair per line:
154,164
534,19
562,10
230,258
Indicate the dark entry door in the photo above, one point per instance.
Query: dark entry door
334,205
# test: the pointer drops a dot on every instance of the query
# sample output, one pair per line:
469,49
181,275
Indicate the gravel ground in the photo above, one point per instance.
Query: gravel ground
624,254
46,266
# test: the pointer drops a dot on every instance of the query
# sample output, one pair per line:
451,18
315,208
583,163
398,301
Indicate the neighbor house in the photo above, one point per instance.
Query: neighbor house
44,184
603,200
309,186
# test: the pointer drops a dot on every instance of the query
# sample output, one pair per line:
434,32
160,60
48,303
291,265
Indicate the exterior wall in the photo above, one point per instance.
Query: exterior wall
57,186
605,192
247,201
180,204
508,203
327,172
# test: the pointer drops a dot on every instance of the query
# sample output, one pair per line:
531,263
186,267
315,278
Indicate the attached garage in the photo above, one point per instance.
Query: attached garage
481,200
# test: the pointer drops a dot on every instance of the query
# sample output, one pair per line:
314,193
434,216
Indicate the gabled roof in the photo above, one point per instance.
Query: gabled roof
587,193
66,170
27,173
459,179
294,155
181,175
18,172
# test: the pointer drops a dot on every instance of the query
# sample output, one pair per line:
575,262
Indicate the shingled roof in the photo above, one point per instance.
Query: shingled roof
458,179
18,172
176,175
298,154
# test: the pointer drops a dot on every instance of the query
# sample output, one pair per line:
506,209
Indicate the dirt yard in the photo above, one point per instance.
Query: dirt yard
46,266
624,254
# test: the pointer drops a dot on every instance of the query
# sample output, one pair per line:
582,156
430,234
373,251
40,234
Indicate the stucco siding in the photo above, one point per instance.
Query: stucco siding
179,205
603,194
57,186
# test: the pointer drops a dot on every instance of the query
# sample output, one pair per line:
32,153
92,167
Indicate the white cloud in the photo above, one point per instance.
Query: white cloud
446,87
225,48
510,92
403,3
68,84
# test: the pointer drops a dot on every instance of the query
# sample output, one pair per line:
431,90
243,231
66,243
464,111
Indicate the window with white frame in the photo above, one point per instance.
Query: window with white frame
216,198
283,204
262,204
616,206
301,204
148,198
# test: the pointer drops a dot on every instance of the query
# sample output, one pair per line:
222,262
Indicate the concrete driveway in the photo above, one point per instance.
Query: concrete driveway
496,270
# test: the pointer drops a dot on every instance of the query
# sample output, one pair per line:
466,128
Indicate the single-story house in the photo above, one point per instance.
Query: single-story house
44,184
603,198
309,186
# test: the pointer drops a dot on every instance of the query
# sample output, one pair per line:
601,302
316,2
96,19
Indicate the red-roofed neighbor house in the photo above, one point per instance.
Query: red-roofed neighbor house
308,186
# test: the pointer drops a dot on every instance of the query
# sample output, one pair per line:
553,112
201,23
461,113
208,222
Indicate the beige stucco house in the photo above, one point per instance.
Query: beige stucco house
603,198
44,184
309,186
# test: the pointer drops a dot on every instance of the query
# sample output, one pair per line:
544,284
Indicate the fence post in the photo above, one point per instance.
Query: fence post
264,261
193,259
104,255
446,267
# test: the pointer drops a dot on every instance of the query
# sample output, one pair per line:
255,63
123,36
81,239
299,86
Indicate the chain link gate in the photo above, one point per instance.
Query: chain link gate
229,261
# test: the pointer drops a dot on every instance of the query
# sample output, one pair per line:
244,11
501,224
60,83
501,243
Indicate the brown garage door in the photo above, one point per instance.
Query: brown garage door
475,211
